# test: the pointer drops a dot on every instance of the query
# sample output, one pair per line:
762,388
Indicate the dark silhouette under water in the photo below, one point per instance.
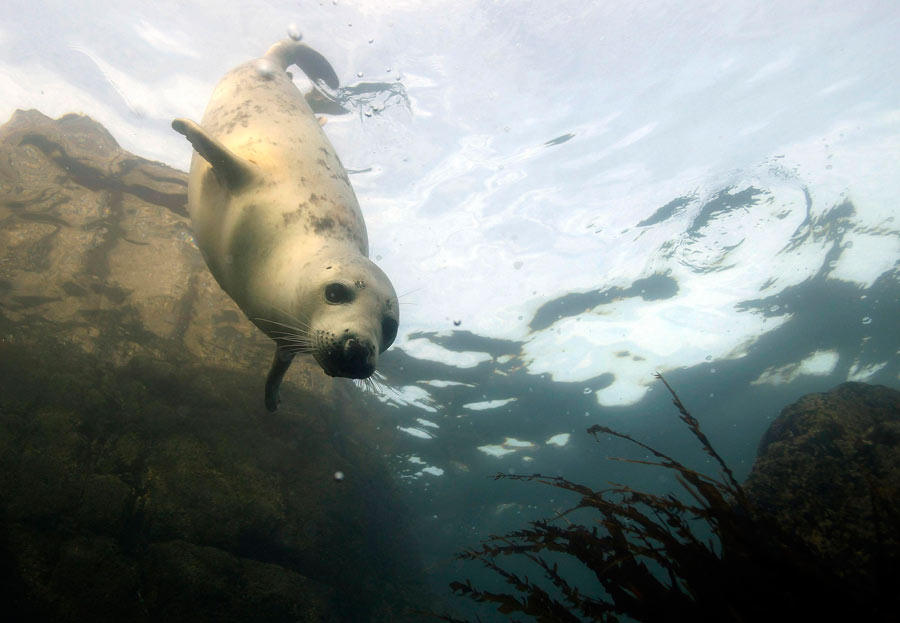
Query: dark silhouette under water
651,565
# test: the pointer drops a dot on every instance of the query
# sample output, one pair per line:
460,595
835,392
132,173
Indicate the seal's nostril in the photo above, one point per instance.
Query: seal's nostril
355,349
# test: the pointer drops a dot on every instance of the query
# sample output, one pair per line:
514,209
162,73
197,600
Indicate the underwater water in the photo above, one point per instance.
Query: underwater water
568,197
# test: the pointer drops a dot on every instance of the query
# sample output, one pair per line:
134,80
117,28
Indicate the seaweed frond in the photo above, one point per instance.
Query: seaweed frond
648,560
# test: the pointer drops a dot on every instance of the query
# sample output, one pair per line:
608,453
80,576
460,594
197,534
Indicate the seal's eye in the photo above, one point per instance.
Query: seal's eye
388,331
338,293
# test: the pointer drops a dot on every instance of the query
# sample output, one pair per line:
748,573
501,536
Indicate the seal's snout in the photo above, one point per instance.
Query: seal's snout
357,358
347,355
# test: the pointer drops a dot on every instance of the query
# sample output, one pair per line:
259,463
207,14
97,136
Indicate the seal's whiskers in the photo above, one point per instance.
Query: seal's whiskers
377,385
293,318
296,330
295,341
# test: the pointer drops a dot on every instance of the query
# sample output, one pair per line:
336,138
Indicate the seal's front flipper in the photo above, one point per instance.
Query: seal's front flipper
280,365
232,171
289,52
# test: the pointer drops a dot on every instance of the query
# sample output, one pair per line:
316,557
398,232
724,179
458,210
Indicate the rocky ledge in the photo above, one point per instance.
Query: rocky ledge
140,477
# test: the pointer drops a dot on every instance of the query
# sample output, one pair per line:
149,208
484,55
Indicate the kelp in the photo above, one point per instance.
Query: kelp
650,562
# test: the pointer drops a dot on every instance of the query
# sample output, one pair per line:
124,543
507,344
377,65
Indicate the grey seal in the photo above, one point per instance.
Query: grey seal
278,223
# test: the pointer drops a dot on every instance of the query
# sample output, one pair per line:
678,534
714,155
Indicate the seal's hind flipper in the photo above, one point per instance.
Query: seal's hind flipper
280,365
232,171
289,52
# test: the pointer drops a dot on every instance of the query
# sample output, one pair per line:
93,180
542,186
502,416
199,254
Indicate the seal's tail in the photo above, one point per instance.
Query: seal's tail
288,52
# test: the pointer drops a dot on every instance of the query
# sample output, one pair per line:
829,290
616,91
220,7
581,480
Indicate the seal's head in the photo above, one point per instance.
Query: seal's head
353,316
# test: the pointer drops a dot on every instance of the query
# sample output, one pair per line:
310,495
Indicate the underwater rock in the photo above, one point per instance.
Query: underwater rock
140,476
828,469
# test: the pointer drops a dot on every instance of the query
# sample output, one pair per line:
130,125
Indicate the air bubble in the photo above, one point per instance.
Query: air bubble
266,69
587,390
709,357
712,370
294,32
359,74
338,476
371,40
867,320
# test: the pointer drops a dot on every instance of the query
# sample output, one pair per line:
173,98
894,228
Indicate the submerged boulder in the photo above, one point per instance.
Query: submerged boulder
140,476
828,469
